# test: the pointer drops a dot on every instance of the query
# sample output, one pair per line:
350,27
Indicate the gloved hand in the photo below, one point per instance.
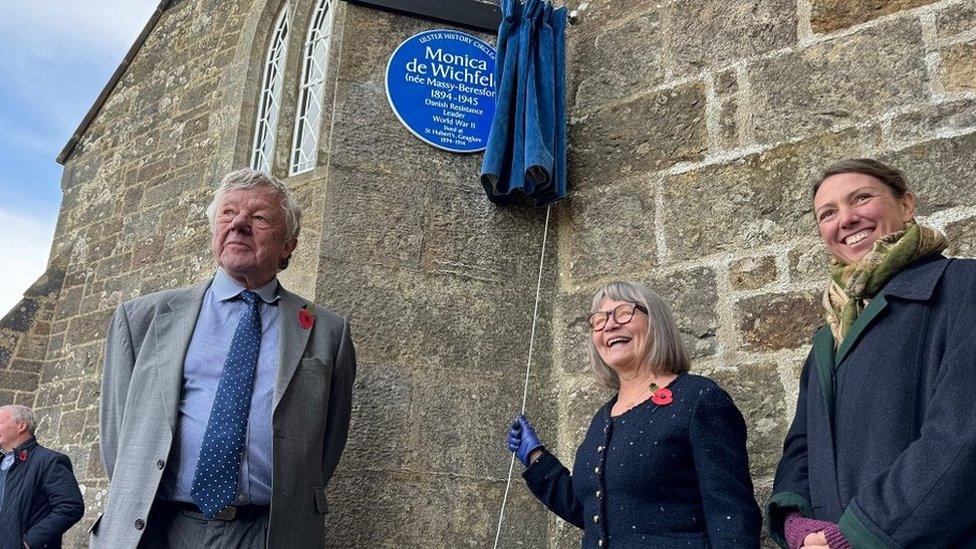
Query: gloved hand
522,439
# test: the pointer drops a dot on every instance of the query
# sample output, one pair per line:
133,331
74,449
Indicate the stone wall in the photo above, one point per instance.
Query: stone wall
696,128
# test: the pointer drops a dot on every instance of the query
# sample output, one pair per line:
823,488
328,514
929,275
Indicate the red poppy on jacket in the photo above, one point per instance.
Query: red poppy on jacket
662,397
305,318
22,456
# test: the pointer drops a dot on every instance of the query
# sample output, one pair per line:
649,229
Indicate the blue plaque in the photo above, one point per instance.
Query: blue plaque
441,85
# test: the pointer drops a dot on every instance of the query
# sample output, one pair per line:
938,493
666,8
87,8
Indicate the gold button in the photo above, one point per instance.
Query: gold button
596,518
599,543
596,470
599,449
599,493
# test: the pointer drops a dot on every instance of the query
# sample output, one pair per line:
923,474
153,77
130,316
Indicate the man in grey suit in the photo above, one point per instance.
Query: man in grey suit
225,406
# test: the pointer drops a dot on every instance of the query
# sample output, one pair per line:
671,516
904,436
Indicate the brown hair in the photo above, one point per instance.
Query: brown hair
891,177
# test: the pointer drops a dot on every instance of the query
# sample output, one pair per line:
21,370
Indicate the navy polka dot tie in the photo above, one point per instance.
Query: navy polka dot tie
215,480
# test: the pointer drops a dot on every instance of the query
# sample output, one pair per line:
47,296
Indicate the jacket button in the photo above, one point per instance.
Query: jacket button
596,518
140,524
599,449
596,470
160,464
599,543
599,494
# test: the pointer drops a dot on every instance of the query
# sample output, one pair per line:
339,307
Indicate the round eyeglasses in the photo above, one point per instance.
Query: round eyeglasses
622,314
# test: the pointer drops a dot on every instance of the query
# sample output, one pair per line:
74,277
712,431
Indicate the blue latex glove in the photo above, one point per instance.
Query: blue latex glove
522,439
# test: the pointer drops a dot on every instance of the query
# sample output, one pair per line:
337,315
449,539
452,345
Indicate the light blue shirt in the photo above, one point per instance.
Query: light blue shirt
221,311
5,463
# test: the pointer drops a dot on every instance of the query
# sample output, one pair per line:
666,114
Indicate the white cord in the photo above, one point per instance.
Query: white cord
528,368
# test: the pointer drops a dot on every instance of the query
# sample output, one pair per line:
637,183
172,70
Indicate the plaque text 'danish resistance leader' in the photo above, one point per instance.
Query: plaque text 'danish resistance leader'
441,85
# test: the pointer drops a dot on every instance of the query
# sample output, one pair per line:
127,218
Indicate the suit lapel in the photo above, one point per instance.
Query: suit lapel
173,329
878,304
292,339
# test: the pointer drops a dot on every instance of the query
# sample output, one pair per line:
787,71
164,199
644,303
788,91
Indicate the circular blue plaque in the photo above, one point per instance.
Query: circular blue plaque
441,85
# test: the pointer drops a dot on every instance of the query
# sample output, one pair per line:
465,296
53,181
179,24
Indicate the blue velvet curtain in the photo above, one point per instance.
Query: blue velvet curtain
526,152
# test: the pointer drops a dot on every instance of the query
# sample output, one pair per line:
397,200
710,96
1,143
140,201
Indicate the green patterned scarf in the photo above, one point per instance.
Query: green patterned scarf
853,286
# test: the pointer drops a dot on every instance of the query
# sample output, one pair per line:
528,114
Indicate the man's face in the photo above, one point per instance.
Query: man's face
249,235
10,431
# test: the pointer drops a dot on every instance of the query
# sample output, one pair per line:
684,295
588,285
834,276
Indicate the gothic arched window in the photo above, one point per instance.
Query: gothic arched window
309,116
270,101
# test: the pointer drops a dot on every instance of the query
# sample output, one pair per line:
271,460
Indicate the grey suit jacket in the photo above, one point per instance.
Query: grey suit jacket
141,384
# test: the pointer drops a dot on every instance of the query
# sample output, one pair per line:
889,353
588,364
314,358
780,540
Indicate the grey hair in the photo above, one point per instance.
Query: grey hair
246,178
665,353
20,413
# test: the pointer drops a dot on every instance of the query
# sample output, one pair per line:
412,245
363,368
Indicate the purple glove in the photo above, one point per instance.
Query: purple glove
797,528
522,439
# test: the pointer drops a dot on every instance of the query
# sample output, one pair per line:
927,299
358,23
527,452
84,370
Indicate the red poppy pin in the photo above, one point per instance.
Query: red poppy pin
22,455
305,317
662,395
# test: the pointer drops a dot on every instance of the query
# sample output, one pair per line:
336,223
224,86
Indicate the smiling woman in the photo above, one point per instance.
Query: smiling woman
664,462
881,445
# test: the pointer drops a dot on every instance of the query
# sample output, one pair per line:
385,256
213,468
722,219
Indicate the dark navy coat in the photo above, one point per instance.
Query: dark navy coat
884,438
41,499
668,477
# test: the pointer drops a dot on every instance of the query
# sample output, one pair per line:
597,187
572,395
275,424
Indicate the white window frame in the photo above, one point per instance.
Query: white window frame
272,82
305,143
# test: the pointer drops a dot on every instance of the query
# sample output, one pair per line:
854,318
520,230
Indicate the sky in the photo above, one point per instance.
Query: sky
55,58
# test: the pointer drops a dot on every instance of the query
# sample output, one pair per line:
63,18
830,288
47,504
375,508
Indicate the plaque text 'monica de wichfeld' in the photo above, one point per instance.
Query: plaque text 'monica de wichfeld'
441,85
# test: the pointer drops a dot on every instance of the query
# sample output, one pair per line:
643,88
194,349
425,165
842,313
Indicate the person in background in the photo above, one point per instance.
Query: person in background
881,450
663,464
39,495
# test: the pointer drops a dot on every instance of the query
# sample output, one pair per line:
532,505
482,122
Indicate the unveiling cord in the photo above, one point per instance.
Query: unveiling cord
528,369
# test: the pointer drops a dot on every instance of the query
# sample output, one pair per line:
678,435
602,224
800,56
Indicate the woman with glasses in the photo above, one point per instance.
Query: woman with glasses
882,450
663,464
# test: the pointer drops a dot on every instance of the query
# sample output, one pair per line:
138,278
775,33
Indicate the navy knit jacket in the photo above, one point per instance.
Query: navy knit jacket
671,476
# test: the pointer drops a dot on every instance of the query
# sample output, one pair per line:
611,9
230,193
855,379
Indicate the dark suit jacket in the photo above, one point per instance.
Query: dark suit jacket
41,499
658,477
884,439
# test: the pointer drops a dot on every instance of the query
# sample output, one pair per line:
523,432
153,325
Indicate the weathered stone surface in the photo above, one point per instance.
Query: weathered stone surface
760,199
956,18
21,317
649,133
603,14
962,237
367,221
830,15
620,62
959,67
928,120
759,395
571,333
703,33
779,321
469,237
839,82
459,419
728,125
594,222
752,273
369,511
20,381
940,171
380,417
692,297
809,262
